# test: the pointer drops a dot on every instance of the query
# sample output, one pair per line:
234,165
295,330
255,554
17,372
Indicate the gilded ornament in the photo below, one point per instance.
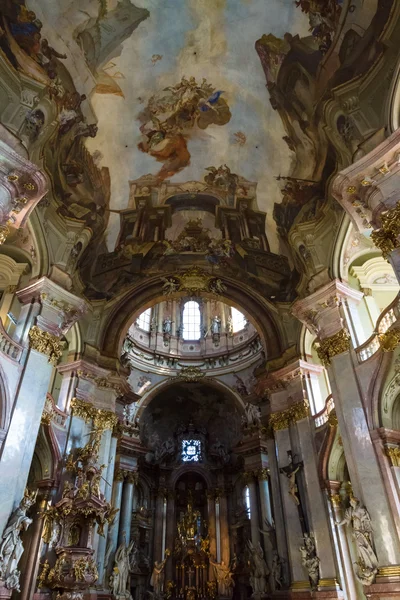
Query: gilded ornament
393,452
389,340
384,169
46,343
333,345
351,189
386,238
336,500
43,574
102,419
262,474
29,186
248,476
332,419
284,418
389,571
4,232
12,177
190,374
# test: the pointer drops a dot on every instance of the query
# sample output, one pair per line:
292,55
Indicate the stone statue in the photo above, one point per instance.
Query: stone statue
358,517
11,547
157,577
258,570
170,286
167,325
120,584
251,418
216,325
224,579
229,325
134,557
276,570
290,472
310,560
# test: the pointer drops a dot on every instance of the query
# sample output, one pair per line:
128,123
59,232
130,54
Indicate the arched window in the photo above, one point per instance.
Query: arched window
246,493
238,320
191,321
143,320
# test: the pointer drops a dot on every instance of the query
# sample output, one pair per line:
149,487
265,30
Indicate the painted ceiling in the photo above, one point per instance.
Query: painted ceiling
176,87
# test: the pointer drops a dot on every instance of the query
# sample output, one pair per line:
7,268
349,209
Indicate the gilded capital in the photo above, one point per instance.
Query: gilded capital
262,474
393,453
45,343
102,419
386,238
336,500
333,345
284,418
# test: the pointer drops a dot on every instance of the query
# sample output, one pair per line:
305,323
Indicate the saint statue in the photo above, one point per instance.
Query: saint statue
224,579
167,325
258,570
290,472
120,577
157,576
358,517
310,560
11,547
216,325
276,570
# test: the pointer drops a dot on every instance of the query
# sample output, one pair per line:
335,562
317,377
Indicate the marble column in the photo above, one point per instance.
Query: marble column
265,499
126,509
108,475
317,514
211,528
335,352
171,528
278,514
158,524
40,326
116,500
352,588
294,533
29,571
254,516
224,528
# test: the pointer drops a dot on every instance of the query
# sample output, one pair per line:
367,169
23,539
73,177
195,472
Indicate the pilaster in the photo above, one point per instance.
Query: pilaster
324,312
48,311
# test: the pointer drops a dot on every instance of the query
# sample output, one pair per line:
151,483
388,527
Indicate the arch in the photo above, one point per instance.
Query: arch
191,468
163,385
149,292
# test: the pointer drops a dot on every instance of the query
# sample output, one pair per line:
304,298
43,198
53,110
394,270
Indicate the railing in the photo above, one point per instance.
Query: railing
8,346
322,417
385,321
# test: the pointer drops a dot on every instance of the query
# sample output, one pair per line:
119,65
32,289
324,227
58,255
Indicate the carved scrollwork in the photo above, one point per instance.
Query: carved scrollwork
333,345
46,343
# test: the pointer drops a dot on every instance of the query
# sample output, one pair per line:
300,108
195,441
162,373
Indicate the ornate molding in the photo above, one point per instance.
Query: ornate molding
282,420
188,374
393,453
262,474
333,345
386,238
194,281
46,343
389,340
102,419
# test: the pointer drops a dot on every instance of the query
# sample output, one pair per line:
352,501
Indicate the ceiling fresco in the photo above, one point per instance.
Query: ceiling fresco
178,88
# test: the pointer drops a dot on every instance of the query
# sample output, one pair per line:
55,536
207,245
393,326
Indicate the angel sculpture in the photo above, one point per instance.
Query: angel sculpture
171,285
258,570
310,560
290,472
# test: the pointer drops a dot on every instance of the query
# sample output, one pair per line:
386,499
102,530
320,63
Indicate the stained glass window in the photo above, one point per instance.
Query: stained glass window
191,321
191,450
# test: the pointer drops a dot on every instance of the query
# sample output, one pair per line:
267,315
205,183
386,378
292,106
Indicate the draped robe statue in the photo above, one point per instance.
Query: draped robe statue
11,547
120,577
358,517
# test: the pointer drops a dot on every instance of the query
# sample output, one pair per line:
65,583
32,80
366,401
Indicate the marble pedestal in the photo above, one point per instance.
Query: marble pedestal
382,590
4,592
